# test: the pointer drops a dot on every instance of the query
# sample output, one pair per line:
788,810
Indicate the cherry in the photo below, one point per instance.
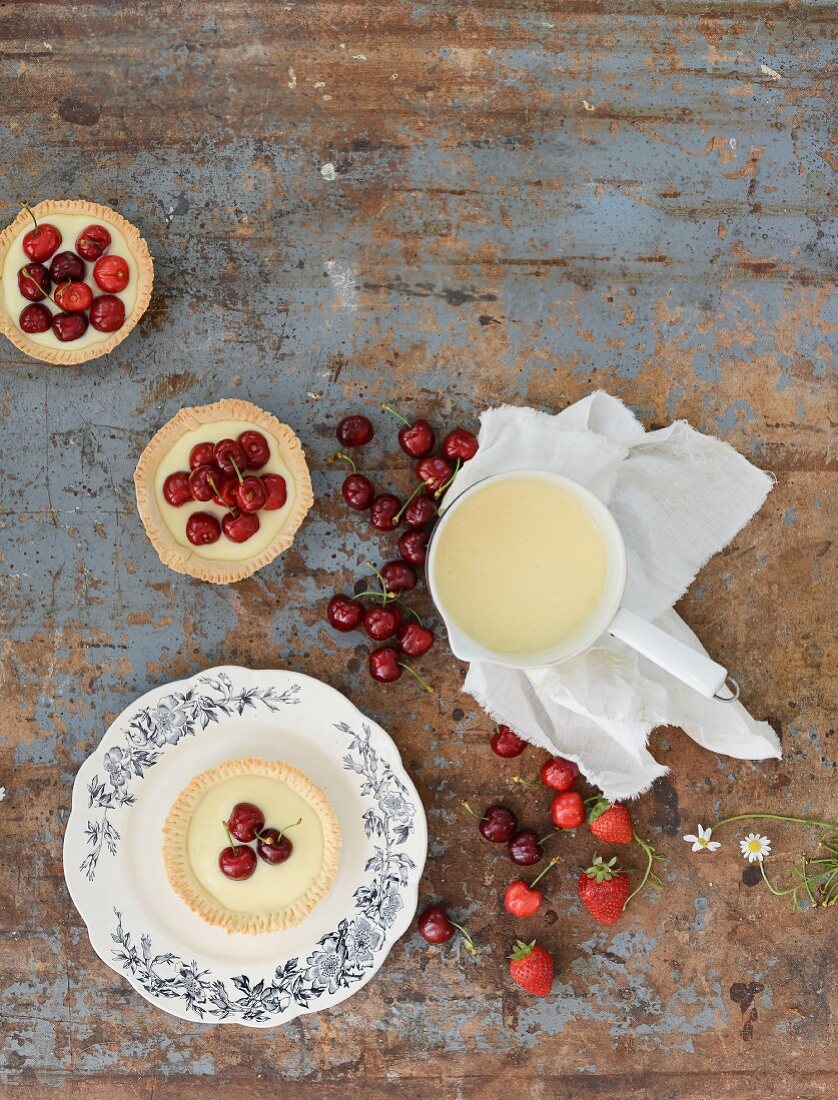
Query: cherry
229,456
414,640
344,613
384,664
398,576
357,491
66,267
246,820
383,511
277,491
558,773
35,318
497,824
92,242
434,472
381,623
202,454
522,900
202,528
176,489
107,313
354,431
33,282
420,510
226,495
416,439
435,926
506,742
240,526
524,847
273,846
459,444
111,274
204,483
69,326
568,810
251,494
255,447
237,862
412,545
73,297
40,243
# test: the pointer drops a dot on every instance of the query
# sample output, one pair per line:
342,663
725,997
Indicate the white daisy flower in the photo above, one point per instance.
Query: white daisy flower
755,847
702,842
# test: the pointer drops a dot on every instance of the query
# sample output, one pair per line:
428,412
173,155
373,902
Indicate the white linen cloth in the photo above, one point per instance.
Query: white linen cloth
679,497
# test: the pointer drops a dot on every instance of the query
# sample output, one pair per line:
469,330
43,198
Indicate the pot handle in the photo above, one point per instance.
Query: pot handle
695,669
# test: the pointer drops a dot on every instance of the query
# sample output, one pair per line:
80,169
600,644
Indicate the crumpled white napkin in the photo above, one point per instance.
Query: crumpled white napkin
679,497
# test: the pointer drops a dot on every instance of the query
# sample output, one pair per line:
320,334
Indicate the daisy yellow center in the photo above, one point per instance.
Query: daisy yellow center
754,845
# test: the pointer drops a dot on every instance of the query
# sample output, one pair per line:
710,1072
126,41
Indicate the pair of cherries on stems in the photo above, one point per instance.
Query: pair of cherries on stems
246,824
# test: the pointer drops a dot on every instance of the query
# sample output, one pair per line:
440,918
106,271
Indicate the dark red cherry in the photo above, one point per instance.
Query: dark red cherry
237,863
434,472
251,494
381,623
204,483
176,489
255,447
202,528
273,847
92,242
40,243
384,664
459,444
202,454
227,490
434,925
111,274
246,820
229,456
277,491
398,576
240,526
524,847
344,613
413,545
358,492
497,824
66,267
414,640
383,511
33,282
417,439
420,511
354,431
35,318
69,326
107,314
506,742
73,297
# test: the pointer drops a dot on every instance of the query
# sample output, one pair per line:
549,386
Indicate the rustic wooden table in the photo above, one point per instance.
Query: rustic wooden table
444,205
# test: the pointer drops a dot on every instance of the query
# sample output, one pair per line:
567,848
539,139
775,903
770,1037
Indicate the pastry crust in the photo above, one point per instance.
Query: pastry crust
66,356
181,558
183,880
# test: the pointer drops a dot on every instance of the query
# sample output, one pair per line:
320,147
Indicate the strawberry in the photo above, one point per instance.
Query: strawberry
531,967
611,822
604,890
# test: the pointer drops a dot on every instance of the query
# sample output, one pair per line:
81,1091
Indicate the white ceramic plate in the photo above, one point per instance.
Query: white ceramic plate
113,853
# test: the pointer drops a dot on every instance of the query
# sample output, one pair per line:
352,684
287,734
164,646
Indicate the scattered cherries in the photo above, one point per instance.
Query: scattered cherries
505,742
246,825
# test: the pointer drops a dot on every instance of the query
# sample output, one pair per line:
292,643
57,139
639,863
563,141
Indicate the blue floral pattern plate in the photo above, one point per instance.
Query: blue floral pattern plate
113,860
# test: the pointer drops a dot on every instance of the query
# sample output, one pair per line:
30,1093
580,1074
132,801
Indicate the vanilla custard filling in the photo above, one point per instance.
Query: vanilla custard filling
69,226
271,886
520,565
223,549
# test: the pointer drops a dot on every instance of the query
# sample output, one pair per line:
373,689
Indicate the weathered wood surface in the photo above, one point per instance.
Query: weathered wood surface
486,237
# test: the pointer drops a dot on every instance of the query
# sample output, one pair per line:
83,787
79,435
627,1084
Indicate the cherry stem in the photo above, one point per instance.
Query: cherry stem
775,817
235,467
385,594
28,274
442,488
226,825
468,808
419,489
28,210
526,782
342,458
550,835
469,944
414,613
395,412
389,596
423,683
651,857
284,829
541,875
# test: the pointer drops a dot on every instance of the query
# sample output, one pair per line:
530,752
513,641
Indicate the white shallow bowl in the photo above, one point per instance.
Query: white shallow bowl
113,860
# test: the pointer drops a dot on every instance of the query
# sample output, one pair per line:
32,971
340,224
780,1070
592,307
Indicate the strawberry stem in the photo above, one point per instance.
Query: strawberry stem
648,876
776,817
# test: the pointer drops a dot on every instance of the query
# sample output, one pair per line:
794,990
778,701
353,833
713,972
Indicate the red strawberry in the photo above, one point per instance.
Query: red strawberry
611,822
531,967
604,890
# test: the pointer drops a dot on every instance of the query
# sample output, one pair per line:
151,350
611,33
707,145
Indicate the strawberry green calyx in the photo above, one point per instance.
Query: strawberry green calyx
603,872
598,808
521,950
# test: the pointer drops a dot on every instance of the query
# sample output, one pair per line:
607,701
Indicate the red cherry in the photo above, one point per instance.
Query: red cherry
354,431
398,576
384,664
73,297
251,494
111,274
417,440
459,444
202,528
239,527
414,640
202,454
69,326
521,900
434,472
229,456
255,447
434,925
568,810
383,511
92,242
66,267
35,318
524,848
357,492
412,545
237,862
381,623
558,773
344,613
246,820
204,483
277,491
107,314
33,282
40,243
506,742
226,495
420,511
497,824
274,847
176,489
